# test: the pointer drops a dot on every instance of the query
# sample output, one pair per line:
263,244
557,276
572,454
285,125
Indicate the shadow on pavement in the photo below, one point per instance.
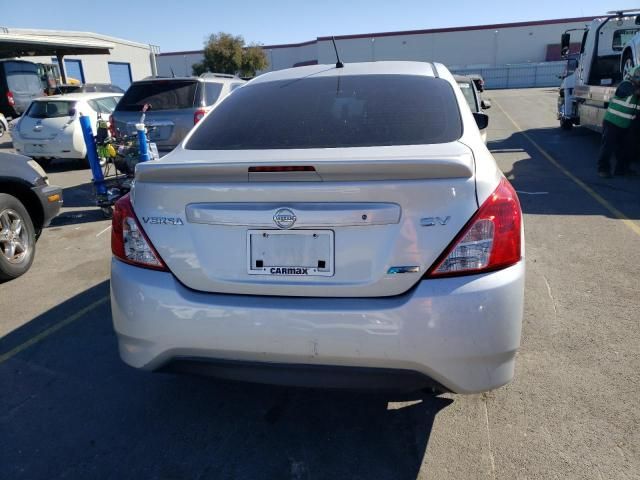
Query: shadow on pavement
544,189
77,197
71,408
59,165
75,217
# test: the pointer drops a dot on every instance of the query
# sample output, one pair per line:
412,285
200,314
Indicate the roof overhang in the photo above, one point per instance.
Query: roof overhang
26,45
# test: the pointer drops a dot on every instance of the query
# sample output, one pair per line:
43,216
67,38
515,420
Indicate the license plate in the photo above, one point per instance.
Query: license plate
301,253
31,148
153,150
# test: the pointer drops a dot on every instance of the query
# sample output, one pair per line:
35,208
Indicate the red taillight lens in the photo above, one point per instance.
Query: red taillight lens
491,240
129,243
10,99
199,115
285,168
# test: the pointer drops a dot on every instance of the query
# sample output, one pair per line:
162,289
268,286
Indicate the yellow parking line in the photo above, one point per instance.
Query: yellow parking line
613,210
52,329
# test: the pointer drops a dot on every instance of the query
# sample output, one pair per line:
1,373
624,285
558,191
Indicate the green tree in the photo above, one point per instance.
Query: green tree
225,53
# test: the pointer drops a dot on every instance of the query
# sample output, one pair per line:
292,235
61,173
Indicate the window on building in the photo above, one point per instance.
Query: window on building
74,70
120,74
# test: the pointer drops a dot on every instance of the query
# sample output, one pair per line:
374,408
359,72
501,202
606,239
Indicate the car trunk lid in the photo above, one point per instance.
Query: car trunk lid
352,226
45,119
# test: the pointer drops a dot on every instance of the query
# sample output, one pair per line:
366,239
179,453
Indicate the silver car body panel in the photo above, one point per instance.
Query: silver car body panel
463,332
375,310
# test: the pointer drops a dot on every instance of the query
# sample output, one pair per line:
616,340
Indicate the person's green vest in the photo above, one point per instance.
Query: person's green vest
623,107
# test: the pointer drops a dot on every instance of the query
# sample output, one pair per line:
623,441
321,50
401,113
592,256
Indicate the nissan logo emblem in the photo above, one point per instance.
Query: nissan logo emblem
284,218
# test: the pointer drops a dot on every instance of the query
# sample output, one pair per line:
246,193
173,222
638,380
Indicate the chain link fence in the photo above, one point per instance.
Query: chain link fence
526,75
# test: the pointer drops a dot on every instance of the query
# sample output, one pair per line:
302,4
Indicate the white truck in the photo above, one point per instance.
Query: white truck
608,49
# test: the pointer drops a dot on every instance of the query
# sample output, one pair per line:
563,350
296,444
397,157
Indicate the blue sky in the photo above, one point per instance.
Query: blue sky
184,24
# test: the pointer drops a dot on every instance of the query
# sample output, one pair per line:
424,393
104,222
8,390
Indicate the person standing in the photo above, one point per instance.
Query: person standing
624,106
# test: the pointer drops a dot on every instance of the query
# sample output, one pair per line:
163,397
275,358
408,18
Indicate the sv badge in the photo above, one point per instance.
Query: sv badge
433,221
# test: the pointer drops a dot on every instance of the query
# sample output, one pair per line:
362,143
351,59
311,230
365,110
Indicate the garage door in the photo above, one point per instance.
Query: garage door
120,74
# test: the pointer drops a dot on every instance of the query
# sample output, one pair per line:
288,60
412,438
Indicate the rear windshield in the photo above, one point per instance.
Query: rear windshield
469,96
23,77
337,111
212,92
103,105
50,109
162,95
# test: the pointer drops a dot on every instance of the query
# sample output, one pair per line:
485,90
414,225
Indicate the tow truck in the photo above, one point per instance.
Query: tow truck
584,94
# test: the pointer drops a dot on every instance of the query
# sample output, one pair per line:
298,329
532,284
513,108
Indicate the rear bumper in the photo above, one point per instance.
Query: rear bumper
304,375
461,332
66,147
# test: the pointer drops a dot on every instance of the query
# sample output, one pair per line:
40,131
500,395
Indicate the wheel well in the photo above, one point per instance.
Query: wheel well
30,200
627,52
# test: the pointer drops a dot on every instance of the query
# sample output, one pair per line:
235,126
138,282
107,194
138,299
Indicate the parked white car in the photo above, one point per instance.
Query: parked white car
50,128
630,57
322,225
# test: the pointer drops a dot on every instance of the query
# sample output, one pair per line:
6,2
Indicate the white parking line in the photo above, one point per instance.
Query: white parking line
633,226
100,233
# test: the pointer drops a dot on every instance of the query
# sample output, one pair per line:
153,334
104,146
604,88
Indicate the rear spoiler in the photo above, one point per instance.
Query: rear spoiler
459,166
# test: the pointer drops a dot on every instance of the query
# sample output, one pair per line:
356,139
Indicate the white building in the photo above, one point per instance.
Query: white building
87,57
460,47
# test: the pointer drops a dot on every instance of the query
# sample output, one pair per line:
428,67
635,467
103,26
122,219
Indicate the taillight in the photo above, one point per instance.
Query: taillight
284,168
10,100
491,240
199,115
129,243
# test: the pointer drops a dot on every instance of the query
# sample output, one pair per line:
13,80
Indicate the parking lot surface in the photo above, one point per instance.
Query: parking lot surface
69,408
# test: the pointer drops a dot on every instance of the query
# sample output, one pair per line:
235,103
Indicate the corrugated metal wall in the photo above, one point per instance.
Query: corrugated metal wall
527,75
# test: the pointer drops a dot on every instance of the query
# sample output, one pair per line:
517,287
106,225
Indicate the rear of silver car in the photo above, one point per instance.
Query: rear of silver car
173,103
175,106
353,237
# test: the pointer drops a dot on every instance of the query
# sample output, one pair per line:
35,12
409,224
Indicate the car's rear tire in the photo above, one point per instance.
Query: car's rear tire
44,162
627,63
2,130
107,212
17,238
83,162
566,124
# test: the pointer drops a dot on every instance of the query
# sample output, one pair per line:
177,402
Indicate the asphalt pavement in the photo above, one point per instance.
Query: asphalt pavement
69,408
